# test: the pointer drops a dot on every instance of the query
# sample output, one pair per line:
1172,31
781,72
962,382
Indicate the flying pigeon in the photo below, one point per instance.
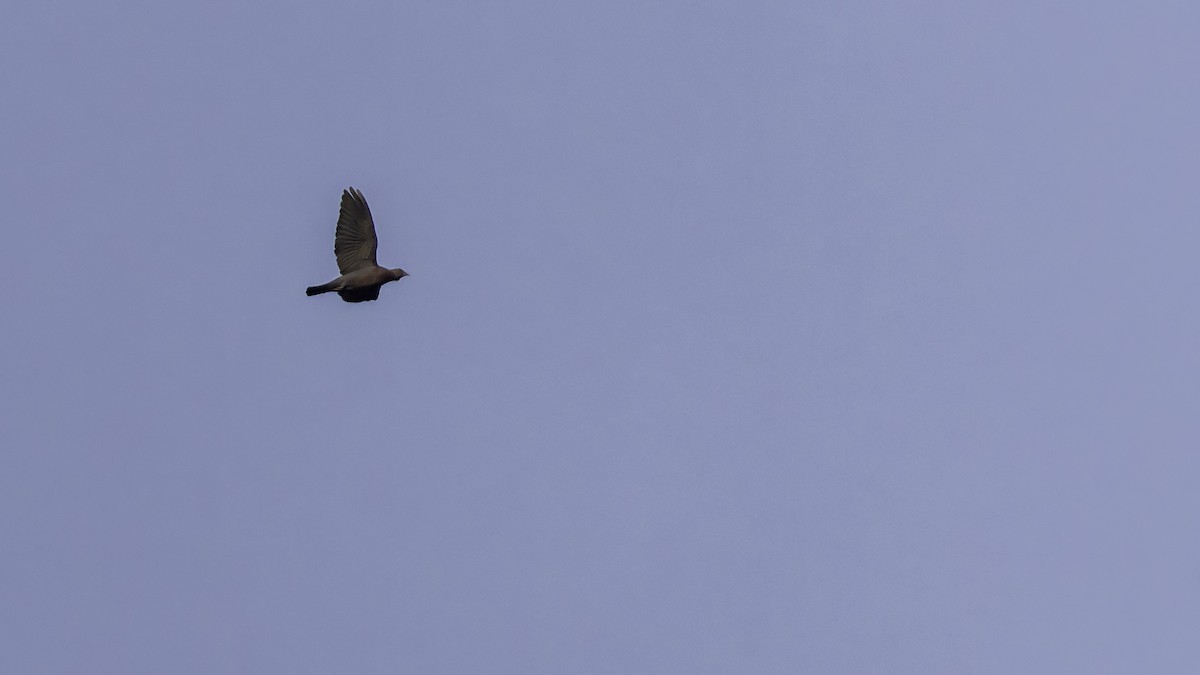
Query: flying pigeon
354,244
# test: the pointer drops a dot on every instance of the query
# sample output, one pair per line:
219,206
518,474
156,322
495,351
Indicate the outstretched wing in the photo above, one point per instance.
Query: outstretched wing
354,243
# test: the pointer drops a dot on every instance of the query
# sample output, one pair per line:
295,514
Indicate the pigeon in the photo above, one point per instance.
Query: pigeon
354,244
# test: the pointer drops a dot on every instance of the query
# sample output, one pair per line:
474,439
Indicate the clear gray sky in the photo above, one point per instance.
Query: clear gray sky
741,337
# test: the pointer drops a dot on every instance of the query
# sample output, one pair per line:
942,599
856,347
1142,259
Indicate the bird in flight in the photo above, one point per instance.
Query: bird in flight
354,244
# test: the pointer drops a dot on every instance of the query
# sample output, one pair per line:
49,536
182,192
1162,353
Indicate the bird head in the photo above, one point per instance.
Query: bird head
398,273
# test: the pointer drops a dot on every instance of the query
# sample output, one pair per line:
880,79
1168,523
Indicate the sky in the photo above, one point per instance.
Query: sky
756,337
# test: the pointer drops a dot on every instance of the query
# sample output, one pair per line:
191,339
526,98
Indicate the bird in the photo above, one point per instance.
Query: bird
354,245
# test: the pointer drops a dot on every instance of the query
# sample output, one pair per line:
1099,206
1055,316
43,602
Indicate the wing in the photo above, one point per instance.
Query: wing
360,294
354,243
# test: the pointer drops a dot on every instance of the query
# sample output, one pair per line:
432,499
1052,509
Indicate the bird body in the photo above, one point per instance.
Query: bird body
359,285
354,245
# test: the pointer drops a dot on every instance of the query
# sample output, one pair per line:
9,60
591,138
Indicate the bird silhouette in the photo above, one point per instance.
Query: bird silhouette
354,244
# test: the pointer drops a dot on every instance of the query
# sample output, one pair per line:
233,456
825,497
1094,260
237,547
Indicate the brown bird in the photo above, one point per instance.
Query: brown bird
354,244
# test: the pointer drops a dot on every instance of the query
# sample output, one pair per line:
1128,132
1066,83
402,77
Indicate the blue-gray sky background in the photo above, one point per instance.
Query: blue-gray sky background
755,337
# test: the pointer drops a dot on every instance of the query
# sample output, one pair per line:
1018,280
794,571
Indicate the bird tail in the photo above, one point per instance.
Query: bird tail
317,290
